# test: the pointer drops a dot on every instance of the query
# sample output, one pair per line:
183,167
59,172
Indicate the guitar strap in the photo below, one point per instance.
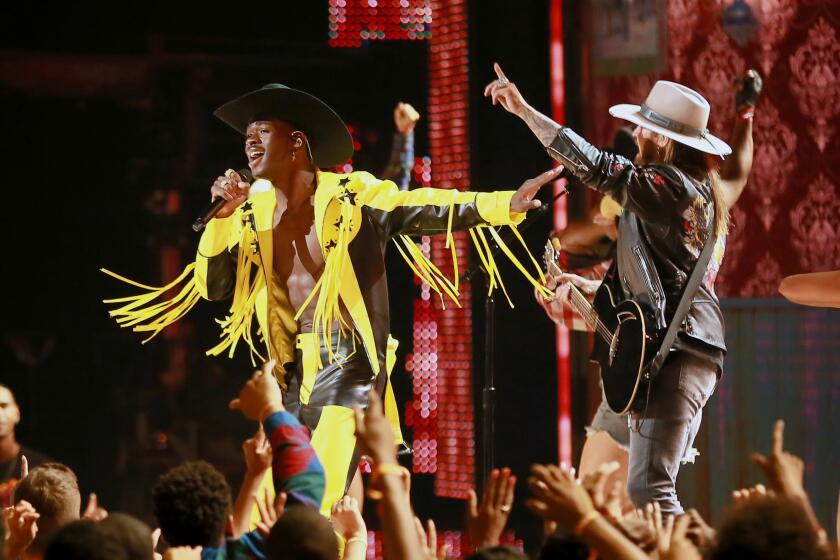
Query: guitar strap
685,301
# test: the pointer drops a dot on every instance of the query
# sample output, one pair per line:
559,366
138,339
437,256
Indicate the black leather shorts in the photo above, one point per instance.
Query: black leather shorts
346,382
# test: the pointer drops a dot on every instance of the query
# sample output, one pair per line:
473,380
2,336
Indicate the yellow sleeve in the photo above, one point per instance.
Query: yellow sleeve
215,263
430,210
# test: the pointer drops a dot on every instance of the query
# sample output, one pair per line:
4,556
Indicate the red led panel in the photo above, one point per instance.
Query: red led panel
449,147
354,22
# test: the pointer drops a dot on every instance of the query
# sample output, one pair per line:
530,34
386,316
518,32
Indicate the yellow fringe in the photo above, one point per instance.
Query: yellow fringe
142,315
426,270
327,288
239,323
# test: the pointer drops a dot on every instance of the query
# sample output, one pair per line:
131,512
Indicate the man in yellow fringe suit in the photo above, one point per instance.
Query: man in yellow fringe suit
303,250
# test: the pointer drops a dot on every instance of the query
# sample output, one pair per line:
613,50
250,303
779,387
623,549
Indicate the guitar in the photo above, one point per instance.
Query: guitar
625,342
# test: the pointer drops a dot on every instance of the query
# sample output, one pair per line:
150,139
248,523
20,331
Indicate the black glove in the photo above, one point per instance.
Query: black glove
747,89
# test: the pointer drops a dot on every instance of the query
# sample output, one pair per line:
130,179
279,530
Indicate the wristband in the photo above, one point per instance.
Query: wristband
747,113
379,471
587,519
362,540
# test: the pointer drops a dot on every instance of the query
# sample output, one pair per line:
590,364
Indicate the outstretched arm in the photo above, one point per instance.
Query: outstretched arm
428,211
651,192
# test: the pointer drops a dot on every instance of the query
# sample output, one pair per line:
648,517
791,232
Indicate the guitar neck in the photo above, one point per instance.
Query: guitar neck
583,307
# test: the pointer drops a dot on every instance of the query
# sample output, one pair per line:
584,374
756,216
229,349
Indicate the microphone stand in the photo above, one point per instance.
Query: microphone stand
488,392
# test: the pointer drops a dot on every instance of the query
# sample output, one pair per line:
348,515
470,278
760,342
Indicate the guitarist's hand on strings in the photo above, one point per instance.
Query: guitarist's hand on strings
556,306
560,284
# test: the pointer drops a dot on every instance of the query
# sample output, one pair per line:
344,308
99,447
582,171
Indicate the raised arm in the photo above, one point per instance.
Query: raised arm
735,169
651,192
401,160
505,93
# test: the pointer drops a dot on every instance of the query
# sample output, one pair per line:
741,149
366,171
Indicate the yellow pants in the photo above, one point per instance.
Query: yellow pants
323,400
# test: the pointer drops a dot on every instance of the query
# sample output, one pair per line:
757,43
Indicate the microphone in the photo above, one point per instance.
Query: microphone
217,204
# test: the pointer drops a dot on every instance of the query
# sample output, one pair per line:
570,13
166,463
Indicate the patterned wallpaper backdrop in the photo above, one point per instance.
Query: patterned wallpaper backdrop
788,219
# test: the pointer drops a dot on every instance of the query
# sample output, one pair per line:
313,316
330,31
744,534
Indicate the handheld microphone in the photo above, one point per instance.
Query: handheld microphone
217,204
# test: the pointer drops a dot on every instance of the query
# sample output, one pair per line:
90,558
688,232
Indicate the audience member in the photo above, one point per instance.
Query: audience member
14,456
192,501
193,507
52,490
769,528
133,536
498,553
84,540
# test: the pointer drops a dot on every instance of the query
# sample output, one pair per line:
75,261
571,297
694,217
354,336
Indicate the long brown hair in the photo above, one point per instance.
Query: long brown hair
694,163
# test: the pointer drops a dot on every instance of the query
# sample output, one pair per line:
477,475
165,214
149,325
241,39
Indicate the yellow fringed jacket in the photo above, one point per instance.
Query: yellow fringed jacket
355,215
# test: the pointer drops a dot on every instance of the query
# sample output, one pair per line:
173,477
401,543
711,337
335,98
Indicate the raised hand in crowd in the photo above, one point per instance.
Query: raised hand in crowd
559,497
376,439
374,434
261,395
405,117
348,523
93,510
429,541
183,553
699,532
744,495
22,526
785,473
606,502
672,539
487,519
269,512
257,452
155,540
258,455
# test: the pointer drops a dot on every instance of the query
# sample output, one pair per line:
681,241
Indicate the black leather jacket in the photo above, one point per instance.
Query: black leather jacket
668,216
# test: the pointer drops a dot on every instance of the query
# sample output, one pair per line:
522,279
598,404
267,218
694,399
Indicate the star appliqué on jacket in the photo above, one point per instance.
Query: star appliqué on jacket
349,197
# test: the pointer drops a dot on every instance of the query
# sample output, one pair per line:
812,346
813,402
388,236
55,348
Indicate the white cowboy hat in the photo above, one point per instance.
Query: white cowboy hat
677,112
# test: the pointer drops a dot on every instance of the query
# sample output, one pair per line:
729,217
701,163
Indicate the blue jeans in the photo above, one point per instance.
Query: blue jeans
662,436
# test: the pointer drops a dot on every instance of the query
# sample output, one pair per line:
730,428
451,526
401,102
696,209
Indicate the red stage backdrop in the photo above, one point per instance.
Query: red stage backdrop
788,219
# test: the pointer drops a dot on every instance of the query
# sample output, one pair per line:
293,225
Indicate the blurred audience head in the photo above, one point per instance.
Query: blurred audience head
563,545
192,504
302,534
767,528
53,490
497,553
83,540
134,536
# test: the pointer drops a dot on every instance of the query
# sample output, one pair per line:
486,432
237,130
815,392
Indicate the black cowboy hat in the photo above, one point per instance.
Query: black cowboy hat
329,140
